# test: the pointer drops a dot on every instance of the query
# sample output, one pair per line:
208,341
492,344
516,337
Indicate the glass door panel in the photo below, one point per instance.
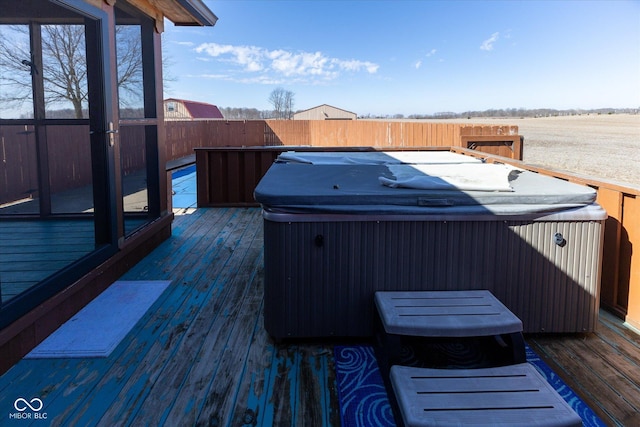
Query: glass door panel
16,67
51,232
138,116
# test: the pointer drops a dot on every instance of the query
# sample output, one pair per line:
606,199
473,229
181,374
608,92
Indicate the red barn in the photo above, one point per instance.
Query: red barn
181,109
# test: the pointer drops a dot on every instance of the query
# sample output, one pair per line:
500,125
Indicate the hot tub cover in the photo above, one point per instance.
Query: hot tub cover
397,186
376,158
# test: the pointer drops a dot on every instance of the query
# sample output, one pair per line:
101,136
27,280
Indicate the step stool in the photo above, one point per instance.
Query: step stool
515,395
440,314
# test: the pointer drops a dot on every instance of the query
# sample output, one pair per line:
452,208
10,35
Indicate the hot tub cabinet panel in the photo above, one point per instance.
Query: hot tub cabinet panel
321,273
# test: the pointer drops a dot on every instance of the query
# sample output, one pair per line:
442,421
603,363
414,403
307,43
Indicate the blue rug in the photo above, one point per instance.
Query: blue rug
364,402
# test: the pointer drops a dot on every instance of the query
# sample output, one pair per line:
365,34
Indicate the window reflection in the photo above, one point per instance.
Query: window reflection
16,99
134,169
46,169
70,169
129,60
64,71
19,170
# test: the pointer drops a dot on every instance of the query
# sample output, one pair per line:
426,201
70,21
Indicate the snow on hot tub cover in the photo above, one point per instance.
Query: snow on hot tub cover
369,185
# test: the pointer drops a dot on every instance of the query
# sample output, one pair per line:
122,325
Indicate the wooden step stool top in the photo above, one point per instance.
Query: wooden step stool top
445,314
515,395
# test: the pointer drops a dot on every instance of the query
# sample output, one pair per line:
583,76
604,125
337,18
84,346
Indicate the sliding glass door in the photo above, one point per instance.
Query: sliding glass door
58,127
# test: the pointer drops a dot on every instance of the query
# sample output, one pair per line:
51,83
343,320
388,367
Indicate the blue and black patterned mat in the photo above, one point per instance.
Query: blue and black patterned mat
363,397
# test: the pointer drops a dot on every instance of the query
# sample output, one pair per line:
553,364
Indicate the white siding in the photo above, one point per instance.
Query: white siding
324,112
175,110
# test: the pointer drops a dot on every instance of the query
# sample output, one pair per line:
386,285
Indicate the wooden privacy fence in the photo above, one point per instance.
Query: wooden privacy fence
184,136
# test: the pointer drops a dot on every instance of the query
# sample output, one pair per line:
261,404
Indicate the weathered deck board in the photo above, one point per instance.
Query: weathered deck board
165,347
208,333
201,356
603,368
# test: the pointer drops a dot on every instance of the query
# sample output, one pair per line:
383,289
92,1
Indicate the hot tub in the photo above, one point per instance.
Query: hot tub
337,229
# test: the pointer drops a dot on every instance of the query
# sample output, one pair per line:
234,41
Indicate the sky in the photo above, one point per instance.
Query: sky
410,57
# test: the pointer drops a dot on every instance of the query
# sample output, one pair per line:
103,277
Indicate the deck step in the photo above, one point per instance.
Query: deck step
515,395
445,314
431,316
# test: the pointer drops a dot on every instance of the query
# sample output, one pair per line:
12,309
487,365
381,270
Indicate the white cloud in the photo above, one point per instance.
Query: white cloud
211,76
273,65
302,64
488,43
418,64
355,65
431,52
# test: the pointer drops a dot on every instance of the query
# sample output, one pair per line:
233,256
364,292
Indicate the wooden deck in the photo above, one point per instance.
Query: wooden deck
32,250
603,368
200,356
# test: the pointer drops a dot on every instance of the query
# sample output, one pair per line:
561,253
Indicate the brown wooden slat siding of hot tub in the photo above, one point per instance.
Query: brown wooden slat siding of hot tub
320,276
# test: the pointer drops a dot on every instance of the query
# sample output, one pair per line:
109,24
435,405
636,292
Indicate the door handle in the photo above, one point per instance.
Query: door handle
112,134
112,131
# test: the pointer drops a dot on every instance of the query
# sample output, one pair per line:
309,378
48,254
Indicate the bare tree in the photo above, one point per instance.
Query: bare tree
276,99
168,76
282,102
64,66
243,113
15,66
288,104
129,63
